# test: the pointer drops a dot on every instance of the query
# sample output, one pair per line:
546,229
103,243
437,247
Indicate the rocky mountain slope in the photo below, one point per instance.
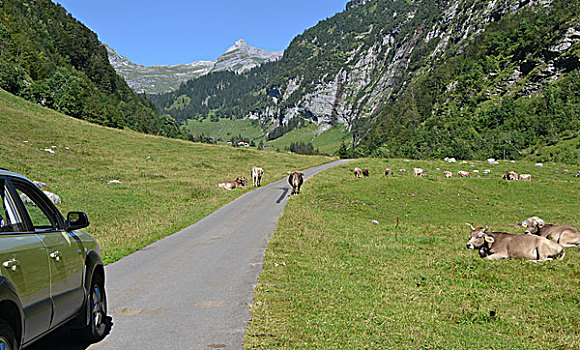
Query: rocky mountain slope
160,79
384,65
241,58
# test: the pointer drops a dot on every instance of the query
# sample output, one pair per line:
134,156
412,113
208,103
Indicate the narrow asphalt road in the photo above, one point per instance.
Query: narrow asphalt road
193,289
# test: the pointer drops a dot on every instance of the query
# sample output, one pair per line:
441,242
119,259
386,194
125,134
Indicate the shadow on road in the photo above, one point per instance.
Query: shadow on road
62,339
282,195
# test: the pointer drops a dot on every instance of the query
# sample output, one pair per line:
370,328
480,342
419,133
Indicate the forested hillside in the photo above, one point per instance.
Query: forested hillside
512,91
463,78
48,57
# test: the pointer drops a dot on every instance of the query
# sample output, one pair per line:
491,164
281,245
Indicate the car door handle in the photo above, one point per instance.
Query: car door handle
56,255
11,264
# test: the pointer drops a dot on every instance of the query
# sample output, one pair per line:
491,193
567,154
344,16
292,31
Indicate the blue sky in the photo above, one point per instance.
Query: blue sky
153,32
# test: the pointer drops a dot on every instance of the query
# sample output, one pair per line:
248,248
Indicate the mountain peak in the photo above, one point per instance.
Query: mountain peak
241,43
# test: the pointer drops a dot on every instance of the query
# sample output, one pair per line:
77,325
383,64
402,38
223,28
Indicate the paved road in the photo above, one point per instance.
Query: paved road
191,290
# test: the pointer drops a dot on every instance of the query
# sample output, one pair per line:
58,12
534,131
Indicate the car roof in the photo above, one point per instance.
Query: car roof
6,172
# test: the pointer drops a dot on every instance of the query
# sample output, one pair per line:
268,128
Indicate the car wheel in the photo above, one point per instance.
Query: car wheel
97,310
7,337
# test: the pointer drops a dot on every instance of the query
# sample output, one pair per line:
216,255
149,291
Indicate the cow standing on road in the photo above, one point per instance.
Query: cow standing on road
567,236
295,180
501,245
257,174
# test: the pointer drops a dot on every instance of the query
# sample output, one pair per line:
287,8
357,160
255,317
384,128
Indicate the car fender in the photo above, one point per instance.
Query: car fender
93,262
8,293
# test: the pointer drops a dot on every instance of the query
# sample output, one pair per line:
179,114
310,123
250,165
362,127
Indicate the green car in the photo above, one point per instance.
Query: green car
51,273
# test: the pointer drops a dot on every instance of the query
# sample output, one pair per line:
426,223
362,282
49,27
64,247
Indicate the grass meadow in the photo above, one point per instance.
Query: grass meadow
166,184
333,279
225,129
327,142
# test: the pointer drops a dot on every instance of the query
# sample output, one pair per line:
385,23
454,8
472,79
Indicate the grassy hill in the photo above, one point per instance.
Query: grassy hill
334,279
327,141
166,184
225,128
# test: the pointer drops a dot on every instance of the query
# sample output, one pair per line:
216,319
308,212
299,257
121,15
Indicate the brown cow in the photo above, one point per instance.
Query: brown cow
365,172
462,173
388,172
525,177
295,180
230,185
357,172
567,236
501,245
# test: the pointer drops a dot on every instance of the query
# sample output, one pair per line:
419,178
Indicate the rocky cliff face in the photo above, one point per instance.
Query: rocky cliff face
379,67
161,79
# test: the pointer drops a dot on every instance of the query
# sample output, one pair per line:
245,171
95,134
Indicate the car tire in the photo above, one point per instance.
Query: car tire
96,329
8,340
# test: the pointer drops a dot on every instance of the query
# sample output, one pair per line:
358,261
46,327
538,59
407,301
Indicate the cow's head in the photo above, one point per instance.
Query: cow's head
533,225
242,180
479,237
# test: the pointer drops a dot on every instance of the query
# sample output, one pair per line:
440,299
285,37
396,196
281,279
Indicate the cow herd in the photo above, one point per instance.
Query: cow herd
540,241
295,179
509,175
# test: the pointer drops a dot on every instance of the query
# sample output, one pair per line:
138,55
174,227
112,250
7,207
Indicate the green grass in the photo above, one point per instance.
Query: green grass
327,142
225,128
333,279
166,184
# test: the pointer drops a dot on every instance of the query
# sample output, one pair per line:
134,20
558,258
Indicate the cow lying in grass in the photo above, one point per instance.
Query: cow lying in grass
230,185
295,180
510,176
501,245
567,236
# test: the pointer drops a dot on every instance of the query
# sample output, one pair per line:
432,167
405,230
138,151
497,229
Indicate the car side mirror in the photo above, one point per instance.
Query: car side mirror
75,220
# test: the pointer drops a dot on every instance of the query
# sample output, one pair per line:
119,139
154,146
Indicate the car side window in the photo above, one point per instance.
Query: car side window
39,214
10,220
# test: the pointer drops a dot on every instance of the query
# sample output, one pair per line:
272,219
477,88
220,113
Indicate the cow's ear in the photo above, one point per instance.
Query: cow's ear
524,224
541,223
489,239
302,174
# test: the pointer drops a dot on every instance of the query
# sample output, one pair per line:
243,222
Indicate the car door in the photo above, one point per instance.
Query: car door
64,251
24,262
